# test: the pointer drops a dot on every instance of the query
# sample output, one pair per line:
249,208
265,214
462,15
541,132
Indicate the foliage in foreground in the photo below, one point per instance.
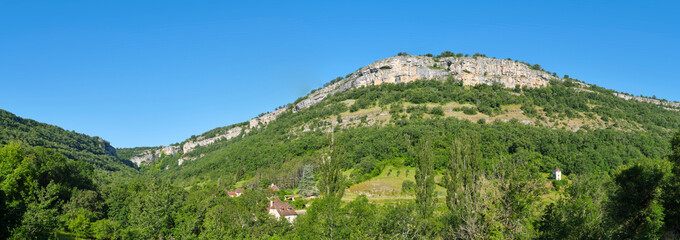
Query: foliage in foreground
43,193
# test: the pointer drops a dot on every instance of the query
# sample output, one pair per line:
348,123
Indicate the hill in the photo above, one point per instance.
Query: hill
410,147
75,146
518,110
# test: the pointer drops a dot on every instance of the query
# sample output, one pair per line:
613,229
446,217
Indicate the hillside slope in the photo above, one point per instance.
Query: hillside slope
75,146
402,69
516,110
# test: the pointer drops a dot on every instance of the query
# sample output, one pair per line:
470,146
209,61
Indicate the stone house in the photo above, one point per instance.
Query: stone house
280,209
235,193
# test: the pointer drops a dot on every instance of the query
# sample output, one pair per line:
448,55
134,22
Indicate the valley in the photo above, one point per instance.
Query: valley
417,142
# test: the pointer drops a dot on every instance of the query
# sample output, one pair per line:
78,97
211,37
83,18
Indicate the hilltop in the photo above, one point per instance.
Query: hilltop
515,107
401,69
420,142
75,146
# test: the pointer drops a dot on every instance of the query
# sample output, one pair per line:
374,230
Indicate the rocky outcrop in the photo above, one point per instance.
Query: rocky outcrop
404,69
471,71
266,118
190,145
401,69
154,154
649,100
108,149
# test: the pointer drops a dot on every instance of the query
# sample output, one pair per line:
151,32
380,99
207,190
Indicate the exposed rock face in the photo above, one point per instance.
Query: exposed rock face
266,118
402,69
649,100
471,71
154,154
190,145
108,149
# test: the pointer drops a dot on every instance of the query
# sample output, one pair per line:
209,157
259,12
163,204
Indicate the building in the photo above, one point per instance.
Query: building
557,174
274,188
289,197
280,209
235,193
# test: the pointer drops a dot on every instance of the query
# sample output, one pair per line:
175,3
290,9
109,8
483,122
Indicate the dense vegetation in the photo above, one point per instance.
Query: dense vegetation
73,145
629,131
623,168
49,196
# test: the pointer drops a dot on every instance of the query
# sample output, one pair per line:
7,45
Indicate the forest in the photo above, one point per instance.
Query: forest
49,196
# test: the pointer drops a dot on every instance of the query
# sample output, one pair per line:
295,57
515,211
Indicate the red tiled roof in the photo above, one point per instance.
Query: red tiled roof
284,208
237,192
274,187
557,169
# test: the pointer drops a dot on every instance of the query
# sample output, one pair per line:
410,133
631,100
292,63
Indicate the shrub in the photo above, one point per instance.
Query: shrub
408,186
437,111
469,110
354,108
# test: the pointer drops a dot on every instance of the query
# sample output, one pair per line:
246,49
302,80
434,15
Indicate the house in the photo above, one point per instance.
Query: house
289,197
274,188
557,174
280,209
235,193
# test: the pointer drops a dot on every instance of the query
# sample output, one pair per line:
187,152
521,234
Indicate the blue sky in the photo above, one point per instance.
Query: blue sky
147,73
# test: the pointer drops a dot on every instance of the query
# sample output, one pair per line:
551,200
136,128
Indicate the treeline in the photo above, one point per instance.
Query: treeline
48,196
278,151
369,149
92,150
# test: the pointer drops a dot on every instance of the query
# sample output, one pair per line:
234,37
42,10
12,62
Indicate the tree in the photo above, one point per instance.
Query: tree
323,219
494,205
103,229
635,210
464,184
331,181
425,197
671,189
152,210
398,221
4,214
307,184
580,214
408,186
39,221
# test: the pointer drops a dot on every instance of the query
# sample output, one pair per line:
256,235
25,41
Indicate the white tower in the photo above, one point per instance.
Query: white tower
557,174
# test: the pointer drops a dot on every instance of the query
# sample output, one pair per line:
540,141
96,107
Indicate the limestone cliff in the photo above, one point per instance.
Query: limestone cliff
401,69
106,146
154,154
404,69
650,100
190,145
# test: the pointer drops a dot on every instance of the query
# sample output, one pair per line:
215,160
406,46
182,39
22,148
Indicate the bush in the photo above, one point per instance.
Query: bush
437,111
469,110
354,108
529,110
559,184
408,186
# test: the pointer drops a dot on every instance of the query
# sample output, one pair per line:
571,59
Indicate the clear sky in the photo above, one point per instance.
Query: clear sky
148,73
